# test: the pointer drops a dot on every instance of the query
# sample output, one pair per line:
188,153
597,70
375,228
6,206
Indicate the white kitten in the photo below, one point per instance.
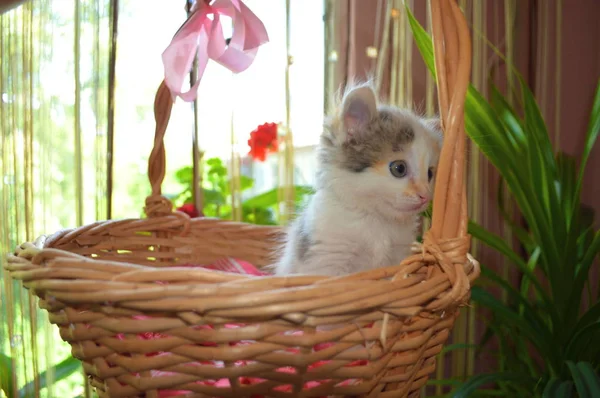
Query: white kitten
376,174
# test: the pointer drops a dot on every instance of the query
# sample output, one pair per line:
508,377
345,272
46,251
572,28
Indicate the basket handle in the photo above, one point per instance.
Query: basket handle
452,48
156,204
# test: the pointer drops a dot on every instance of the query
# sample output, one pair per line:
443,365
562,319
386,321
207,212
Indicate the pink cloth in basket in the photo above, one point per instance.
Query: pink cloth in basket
239,267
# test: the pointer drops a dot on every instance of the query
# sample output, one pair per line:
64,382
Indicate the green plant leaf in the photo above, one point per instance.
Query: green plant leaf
565,389
220,171
585,343
557,389
477,381
214,162
537,135
509,119
61,371
591,137
591,316
6,371
444,382
214,197
497,243
270,198
521,233
559,238
422,40
580,382
456,347
259,215
246,182
527,314
185,175
488,333
590,377
582,274
530,324
567,174
527,279
590,255
479,115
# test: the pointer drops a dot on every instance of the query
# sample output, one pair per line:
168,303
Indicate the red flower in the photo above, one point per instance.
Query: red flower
190,210
263,139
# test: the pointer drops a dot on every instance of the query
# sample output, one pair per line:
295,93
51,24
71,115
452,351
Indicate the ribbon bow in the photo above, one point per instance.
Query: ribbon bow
205,35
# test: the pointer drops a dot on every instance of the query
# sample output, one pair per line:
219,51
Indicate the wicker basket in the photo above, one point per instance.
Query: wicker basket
96,281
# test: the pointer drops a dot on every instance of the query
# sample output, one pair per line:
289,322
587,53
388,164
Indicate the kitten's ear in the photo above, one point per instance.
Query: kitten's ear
359,107
434,125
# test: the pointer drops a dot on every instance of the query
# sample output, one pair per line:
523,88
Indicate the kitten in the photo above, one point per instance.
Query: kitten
376,174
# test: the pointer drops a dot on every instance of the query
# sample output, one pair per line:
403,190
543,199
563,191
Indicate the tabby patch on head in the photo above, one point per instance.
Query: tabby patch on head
386,131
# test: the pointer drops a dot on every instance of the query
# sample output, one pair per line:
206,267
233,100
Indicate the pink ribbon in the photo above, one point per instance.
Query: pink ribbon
201,33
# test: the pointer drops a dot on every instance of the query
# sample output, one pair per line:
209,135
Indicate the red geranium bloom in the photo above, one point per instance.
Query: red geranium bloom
190,210
263,139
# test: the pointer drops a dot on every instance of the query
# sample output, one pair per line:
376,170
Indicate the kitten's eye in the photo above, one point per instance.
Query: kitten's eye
398,168
430,174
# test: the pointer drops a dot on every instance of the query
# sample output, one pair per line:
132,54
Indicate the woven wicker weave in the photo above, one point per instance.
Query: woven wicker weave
94,279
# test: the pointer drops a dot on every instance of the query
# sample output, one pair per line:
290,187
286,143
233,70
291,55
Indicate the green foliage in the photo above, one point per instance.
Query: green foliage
216,187
6,380
62,370
548,342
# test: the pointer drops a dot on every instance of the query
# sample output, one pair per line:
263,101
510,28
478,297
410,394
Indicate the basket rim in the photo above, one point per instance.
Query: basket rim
417,284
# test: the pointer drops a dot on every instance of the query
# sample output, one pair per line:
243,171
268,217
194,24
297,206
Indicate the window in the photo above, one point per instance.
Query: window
230,106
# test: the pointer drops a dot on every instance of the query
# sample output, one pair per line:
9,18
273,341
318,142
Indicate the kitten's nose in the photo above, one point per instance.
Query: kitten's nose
423,198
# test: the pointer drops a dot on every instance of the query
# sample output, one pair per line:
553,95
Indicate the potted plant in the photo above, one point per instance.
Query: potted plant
216,185
548,341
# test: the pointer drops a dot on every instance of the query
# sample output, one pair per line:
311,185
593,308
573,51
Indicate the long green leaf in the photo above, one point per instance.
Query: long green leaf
485,128
543,177
591,378
444,382
592,315
477,381
588,259
544,188
529,316
582,274
585,343
565,389
557,389
567,174
61,371
422,40
540,151
580,383
457,347
531,264
591,137
532,328
497,243
271,198
521,233
509,119
6,379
